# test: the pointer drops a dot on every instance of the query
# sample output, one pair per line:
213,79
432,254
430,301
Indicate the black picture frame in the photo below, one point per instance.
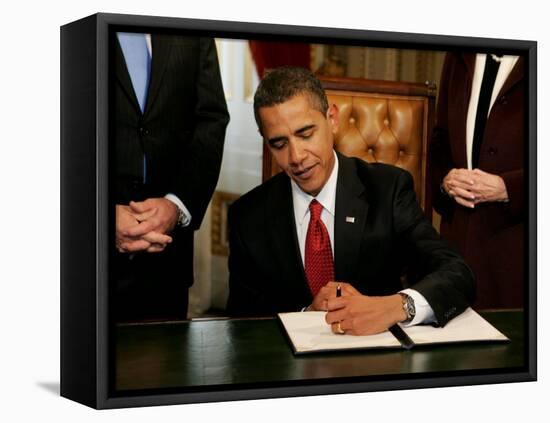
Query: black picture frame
85,212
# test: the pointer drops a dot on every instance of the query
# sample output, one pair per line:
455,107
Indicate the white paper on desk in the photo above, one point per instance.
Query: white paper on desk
309,331
468,326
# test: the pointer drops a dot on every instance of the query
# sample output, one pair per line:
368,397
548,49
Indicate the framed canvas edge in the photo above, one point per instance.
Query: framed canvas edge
270,392
531,181
104,400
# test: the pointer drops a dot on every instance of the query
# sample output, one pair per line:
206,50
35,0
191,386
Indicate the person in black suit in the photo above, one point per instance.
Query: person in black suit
168,128
369,213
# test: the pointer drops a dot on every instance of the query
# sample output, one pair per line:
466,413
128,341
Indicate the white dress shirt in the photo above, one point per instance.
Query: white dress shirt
327,198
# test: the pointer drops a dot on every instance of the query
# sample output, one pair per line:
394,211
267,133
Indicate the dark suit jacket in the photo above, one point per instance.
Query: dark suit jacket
181,133
390,231
490,237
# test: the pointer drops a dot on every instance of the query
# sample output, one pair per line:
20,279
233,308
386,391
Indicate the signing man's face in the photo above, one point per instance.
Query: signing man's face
300,139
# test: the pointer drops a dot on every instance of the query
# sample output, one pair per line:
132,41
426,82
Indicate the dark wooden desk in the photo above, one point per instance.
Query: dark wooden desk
217,352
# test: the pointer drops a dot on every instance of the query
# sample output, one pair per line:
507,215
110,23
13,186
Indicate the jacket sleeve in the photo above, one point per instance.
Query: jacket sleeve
195,182
440,160
444,279
245,296
515,186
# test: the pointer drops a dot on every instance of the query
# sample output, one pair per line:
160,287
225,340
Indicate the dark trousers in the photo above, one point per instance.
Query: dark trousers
147,287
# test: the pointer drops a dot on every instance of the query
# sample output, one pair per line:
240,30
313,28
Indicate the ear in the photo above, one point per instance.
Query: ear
333,117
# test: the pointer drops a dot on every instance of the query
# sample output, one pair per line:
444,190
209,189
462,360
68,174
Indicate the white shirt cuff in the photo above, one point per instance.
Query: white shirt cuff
424,313
174,199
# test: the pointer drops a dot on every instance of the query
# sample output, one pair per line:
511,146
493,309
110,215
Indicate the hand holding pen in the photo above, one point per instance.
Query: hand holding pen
330,291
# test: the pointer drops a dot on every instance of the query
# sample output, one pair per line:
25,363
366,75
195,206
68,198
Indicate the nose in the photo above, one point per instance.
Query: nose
296,154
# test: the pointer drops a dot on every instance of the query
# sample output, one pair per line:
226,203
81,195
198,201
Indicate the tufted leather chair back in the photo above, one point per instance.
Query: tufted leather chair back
381,121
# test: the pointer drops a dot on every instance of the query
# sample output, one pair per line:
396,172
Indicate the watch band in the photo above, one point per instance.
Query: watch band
181,218
408,307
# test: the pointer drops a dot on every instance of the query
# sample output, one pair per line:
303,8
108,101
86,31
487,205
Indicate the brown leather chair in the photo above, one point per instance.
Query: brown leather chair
381,121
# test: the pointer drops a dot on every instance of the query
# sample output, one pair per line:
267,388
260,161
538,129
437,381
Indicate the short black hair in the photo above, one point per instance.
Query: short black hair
281,84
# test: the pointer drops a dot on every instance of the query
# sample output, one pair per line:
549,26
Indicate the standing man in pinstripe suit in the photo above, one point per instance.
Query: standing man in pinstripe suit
168,125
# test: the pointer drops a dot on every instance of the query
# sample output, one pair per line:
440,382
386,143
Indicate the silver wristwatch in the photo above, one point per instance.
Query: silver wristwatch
408,307
181,218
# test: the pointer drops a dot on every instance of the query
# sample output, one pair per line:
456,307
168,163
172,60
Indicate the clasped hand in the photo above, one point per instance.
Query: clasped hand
471,187
145,225
357,314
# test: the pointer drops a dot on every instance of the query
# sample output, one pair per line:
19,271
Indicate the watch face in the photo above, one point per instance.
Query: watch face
411,310
181,217
408,307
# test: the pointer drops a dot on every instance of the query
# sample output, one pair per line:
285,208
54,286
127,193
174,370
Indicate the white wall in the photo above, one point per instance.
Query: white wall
242,157
29,212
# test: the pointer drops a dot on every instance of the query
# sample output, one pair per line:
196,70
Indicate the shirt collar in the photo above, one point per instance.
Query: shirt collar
327,195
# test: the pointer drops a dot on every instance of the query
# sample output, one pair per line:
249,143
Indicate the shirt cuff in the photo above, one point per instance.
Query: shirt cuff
187,216
424,313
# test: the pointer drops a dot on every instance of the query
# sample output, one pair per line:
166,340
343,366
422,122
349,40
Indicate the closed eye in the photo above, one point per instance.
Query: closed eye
306,132
277,143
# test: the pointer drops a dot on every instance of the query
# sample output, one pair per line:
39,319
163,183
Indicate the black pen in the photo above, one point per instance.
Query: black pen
339,329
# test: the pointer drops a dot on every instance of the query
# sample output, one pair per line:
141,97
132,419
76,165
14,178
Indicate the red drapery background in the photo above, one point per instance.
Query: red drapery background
271,54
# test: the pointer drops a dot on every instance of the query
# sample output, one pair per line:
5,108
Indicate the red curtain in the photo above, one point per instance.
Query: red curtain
269,55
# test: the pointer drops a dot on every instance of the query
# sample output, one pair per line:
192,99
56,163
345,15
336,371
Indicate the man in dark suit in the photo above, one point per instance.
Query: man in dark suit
168,128
476,159
331,218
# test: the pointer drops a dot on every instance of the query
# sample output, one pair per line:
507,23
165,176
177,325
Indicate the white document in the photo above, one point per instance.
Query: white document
309,332
466,327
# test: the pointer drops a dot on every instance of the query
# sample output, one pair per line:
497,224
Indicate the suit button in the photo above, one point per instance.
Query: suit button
143,131
492,151
503,100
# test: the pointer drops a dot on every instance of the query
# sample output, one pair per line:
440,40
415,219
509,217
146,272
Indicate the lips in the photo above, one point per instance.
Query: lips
306,173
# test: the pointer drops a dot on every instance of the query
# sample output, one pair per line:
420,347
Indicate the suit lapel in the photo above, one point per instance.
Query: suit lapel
280,215
515,76
470,64
123,76
161,51
349,221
